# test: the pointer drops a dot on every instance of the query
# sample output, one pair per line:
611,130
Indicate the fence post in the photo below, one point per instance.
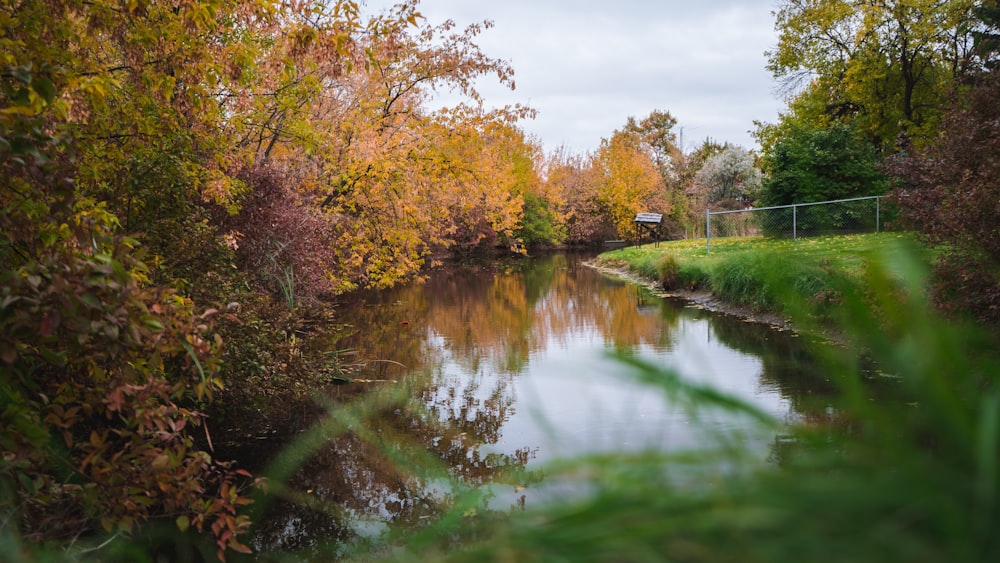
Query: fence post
795,223
708,231
878,219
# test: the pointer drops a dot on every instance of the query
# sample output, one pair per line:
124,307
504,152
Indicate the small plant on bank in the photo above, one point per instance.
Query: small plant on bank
285,276
668,272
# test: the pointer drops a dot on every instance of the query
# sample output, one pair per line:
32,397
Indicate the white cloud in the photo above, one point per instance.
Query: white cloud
587,66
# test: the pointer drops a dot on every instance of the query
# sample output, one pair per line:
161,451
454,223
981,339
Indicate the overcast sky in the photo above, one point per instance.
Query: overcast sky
588,65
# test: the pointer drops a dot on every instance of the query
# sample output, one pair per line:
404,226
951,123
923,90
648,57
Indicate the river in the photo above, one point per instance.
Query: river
511,365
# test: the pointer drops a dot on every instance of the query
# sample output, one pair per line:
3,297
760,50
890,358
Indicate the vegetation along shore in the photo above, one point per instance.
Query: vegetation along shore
756,278
190,191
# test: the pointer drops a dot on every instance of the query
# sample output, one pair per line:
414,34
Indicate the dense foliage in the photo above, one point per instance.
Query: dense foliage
184,186
103,373
810,165
951,194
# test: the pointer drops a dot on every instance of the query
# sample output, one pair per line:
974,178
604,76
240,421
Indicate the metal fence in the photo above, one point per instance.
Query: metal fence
841,216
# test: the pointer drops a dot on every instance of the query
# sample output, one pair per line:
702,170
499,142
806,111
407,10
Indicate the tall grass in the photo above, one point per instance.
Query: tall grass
283,275
760,273
911,475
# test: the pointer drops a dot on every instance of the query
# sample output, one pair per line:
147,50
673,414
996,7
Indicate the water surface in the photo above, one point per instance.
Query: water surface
515,363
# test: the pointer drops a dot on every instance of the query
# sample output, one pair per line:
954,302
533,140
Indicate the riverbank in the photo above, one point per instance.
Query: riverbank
770,281
699,299
861,443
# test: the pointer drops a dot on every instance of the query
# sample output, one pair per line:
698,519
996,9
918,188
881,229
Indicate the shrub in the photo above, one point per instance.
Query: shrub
102,383
280,242
668,272
949,192
103,374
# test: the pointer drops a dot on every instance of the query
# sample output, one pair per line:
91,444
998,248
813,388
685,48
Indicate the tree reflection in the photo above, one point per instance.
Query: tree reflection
385,460
790,365
456,345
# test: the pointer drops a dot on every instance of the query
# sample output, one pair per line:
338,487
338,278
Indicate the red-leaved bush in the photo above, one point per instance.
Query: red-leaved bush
950,192
280,240
102,377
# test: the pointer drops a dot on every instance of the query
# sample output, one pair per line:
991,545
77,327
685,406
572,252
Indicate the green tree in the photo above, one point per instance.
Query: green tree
812,165
987,37
889,66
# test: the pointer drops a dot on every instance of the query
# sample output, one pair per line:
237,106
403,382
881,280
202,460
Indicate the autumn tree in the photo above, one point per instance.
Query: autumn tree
655,131
516,161
657,135
395,181
171,103
628,181
574,181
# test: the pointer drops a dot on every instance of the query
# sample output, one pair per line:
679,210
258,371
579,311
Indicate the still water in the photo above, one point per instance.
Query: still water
513,366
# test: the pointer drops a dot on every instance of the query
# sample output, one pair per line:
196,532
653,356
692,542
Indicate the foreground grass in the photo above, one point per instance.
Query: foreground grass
772,275
912,475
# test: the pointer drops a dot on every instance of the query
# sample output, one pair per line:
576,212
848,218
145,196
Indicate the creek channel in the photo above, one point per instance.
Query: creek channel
514,364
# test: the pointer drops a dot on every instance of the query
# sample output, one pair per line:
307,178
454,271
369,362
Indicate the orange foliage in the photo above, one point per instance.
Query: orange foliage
629,182
396,181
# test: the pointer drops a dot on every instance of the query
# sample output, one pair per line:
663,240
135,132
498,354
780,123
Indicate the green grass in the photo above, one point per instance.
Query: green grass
764,274
908,475
911,475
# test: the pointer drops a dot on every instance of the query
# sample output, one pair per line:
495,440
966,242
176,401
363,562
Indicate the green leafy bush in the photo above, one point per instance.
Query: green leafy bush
103,375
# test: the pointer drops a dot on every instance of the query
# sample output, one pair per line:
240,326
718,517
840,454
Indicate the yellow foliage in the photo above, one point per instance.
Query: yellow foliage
628,182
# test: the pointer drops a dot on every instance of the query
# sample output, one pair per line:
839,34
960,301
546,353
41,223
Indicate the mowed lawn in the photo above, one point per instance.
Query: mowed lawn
769,273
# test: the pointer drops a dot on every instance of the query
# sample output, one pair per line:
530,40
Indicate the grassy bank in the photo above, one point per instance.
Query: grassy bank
778,276
910,474
903,464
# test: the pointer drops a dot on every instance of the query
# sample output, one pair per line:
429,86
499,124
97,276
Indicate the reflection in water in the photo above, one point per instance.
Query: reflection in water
510,361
